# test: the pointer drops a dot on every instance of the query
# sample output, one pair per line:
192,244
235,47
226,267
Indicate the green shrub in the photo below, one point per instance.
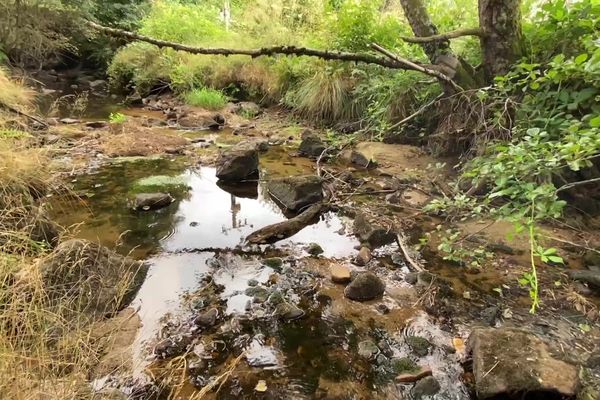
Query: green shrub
210,99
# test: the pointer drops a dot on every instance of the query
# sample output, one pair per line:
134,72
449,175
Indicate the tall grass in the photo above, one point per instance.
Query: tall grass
208,98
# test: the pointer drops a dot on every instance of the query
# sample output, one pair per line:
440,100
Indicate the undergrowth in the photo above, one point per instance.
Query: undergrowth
208,98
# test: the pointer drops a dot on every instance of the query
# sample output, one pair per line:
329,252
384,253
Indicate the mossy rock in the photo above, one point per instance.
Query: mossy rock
419,345
160,183
404,365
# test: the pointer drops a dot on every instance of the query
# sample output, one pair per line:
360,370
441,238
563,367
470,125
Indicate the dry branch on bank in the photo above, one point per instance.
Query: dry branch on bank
445,36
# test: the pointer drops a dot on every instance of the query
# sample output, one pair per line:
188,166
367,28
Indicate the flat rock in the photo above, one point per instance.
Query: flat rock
508,361
296,192
340,273
237,163
590,277
366,286
369,231
428,386
288,312
152,201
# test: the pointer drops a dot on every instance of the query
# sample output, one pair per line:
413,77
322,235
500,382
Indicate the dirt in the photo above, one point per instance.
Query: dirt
199,261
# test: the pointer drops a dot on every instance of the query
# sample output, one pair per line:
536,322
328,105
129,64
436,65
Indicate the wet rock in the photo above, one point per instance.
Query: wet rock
152,201
419,345
339,273
411,278
591,258
259,294
367,230
96,124
404,365
296,192
237,163
590,277
99,280
207,319
314,249
98,84
274,262
288,312
382,308
508,360
366,286
172,346
428,386
275,298
490,315
417,375
311,146
363,257
593,361
68,121
367,349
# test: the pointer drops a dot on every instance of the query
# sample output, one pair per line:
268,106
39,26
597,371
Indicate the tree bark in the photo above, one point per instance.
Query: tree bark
501,43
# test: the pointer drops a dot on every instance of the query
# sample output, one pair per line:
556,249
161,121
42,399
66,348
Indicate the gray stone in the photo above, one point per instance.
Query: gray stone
314,249
69,121
419,345
590,277
427,386
152,201
591,259
367,230
359,158
367,349
237,163
311,146
259,294
366,286
288,312
508,360
296,192
274,262
207,319
490,315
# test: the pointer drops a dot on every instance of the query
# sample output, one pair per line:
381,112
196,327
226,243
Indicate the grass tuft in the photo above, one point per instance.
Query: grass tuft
210,99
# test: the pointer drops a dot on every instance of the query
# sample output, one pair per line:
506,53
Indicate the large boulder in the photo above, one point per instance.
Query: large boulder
90,277
591,277
311,146
510,361
366,286
370,231
237,163
296,192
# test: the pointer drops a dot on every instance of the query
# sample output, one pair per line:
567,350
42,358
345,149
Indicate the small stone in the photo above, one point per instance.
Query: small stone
207,319
311,146
490,315
382,308
419,345
275,298
411,277
363,257
367,349
467,295
152,201
404,365
274,262
252,282
366,286
427,386
194,224
340,273
288,311
415,376
314,249
261,386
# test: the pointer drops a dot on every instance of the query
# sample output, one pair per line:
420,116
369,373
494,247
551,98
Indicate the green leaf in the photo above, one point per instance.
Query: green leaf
556,259
580,59
595,122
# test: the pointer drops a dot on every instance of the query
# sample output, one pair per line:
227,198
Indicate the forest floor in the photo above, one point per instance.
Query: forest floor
221,317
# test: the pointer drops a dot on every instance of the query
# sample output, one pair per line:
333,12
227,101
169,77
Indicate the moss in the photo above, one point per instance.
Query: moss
404,365
419,345
160,183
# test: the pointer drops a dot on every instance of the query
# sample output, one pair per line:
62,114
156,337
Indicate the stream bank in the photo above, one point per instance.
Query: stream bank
269,321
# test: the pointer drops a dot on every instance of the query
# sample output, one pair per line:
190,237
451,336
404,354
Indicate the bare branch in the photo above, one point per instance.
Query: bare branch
574,184
442,37
265,51
416,67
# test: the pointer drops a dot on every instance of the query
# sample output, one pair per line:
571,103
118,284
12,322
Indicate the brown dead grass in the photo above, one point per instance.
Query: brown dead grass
141,142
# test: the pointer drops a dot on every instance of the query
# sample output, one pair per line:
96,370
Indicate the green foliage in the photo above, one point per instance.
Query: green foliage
117,118
13,134
453,246
210,99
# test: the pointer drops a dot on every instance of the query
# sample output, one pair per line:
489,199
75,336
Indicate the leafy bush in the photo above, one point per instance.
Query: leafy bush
210,99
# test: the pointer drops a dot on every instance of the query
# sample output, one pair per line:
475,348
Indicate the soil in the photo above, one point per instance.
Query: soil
199,261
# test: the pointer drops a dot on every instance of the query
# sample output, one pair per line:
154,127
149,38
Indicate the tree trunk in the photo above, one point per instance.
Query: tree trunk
501,43
439,52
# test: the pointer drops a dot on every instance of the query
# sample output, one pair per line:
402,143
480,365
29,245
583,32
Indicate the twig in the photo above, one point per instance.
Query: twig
442,37
573,184
571,243
491,369
416,67
404,249
265,51
31,117
221,379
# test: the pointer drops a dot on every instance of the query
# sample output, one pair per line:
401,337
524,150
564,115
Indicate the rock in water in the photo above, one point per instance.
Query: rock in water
296,192
288,312
427,386
152,201
366,286
311,146
98,280
314,249
363,257
237,163
340,273
368,231
207,319
508,360
419,345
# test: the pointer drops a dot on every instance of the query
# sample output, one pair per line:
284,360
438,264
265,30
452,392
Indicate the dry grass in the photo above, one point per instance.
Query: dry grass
13,93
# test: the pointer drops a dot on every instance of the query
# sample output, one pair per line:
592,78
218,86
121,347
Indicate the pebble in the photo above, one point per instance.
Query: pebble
363,257
425,387
340,273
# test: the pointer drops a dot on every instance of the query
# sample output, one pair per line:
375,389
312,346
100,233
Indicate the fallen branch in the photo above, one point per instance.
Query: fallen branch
402,243
574,184
283,230
442,37
410,65
416,113
265,51
23,114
